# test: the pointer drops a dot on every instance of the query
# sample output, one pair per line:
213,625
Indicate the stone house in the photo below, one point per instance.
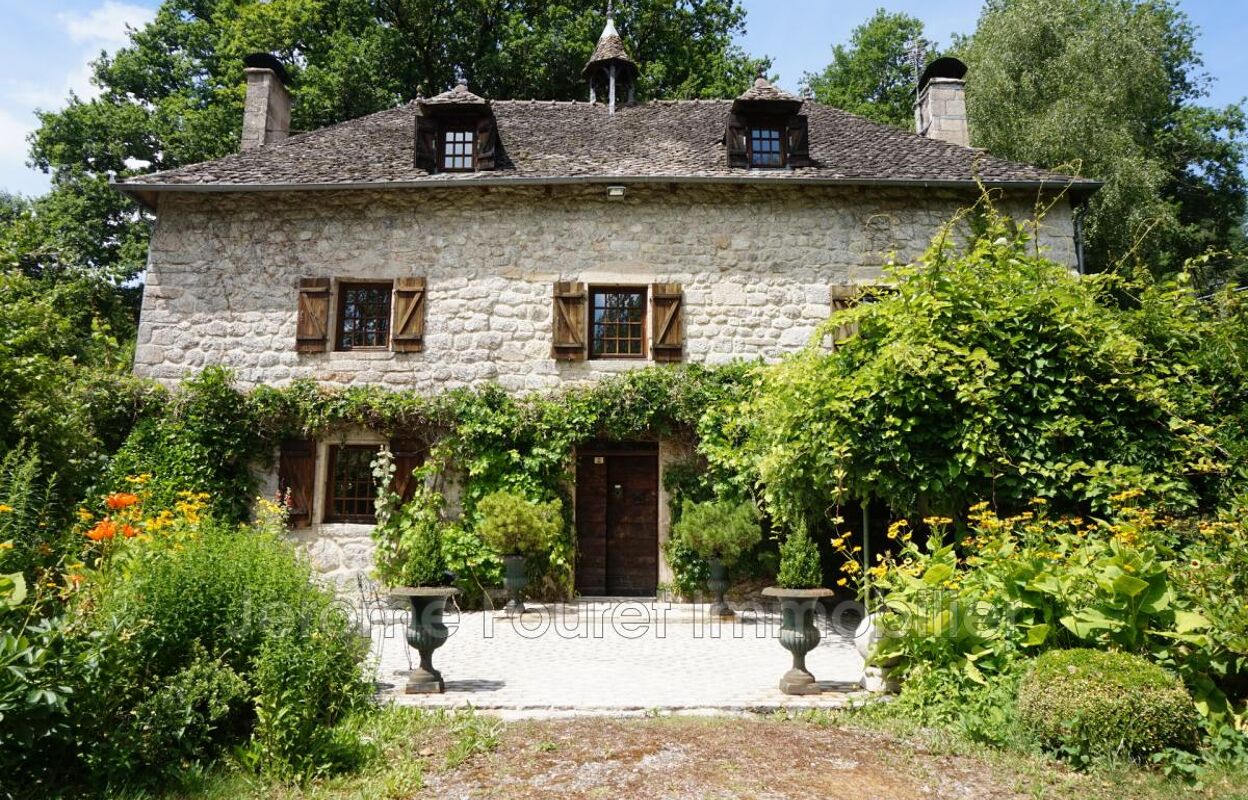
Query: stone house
459,240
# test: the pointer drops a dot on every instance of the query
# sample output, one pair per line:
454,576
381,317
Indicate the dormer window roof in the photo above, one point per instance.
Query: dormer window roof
763,98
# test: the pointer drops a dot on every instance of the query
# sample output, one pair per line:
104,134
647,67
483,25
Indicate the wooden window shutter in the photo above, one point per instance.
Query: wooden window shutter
568,340
408,331
312,325
668,302
296,477
799,141
408,455
844,296
483,158
736,139
426,144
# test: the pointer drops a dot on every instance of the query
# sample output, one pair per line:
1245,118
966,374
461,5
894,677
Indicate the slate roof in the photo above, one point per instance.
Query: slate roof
610,48
762,91
554,142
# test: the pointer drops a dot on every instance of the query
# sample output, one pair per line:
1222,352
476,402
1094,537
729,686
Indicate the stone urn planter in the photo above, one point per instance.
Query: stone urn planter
515,578
798,634
718,584
875,678
425,633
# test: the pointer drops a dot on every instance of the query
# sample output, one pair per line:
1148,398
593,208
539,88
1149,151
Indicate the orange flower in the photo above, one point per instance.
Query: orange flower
104,529
121,500
129,531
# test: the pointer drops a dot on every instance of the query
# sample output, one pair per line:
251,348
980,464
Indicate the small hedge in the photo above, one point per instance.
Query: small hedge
1089,704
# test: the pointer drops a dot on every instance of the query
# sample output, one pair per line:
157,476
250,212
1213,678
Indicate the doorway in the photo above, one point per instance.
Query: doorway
617,520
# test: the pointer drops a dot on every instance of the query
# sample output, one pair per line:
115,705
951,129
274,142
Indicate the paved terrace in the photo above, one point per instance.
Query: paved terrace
617,658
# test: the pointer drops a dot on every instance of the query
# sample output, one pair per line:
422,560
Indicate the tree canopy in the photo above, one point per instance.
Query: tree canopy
874,74
174,95
1113,87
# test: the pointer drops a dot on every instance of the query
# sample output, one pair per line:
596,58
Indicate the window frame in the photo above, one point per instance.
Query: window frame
777,124
451,125
340,308
329,513
592,294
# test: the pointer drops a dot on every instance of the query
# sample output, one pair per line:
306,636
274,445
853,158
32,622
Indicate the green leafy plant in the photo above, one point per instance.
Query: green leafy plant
1088,705
800,564
718,529
409,538
512,524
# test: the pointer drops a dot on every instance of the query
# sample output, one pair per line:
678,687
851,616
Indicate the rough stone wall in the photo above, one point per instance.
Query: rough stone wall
756,264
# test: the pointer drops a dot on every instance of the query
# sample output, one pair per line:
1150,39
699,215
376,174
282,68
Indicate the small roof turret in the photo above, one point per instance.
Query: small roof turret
610,52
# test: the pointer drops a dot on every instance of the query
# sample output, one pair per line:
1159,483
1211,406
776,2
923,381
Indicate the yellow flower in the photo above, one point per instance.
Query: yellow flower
843,582
6,545
934,521
1038,501
85,515
5,508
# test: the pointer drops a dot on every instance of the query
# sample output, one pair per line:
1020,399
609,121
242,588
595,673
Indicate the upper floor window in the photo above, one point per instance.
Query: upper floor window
617,323
364,316
457,149
766,146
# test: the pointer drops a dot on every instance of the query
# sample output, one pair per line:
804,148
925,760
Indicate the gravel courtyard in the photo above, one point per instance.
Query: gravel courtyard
616,657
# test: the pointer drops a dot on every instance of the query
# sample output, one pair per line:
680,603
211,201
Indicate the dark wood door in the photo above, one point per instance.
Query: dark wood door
617,521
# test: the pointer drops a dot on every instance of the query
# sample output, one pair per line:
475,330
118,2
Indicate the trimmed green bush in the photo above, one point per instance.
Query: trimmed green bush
800,566
1089,704
512,524
718,529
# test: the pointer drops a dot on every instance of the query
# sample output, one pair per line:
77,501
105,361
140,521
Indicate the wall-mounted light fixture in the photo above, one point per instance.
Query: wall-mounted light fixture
615,191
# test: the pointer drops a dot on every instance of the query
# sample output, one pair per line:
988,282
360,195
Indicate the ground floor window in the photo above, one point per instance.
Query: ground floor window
351,489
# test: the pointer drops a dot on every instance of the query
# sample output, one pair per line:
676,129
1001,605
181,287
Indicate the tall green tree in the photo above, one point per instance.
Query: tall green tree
174,96
873,75
1113,88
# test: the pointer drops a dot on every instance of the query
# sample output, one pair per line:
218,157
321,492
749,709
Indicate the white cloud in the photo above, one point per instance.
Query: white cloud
105,25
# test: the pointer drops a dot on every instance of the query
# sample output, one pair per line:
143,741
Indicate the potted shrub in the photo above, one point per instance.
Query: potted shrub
409,560
799,589
515,528
720,532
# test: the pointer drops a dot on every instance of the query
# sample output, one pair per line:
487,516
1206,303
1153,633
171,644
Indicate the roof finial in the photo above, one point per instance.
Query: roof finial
610,9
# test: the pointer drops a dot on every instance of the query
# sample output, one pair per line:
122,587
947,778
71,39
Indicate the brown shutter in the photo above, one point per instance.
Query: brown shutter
296,475
568,342
486,135
668,302
426,144
312,325
736,140
799,141
844,296
408,455
408,331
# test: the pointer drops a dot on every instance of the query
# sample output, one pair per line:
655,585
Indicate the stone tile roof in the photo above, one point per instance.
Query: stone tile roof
762,91
549,142
610,48
457,96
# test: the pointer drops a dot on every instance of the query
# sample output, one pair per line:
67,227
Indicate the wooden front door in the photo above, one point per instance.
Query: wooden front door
617,521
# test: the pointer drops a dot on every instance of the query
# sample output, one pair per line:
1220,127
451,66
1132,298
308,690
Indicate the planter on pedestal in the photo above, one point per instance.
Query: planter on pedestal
718,584
425,633
515,578
875,678
798,634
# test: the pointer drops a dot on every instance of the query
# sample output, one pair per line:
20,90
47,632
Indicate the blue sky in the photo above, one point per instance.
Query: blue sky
45,46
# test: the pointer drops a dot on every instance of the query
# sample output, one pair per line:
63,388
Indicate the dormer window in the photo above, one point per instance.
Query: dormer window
455,132
457,149
766,146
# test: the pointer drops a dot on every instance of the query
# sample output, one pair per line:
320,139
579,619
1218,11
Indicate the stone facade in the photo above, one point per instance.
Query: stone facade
756,265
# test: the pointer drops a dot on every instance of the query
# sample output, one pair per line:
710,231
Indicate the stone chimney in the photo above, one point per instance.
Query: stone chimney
266,112
940,110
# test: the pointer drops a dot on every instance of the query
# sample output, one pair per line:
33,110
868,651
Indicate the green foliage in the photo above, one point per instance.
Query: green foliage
203,440
1110,88
690,572
1088,705
211,602
718,529
410,539
174,94
512,524
873,75
991,372
800,564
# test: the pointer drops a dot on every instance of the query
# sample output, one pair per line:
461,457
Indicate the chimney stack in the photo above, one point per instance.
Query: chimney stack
940,110
266,111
